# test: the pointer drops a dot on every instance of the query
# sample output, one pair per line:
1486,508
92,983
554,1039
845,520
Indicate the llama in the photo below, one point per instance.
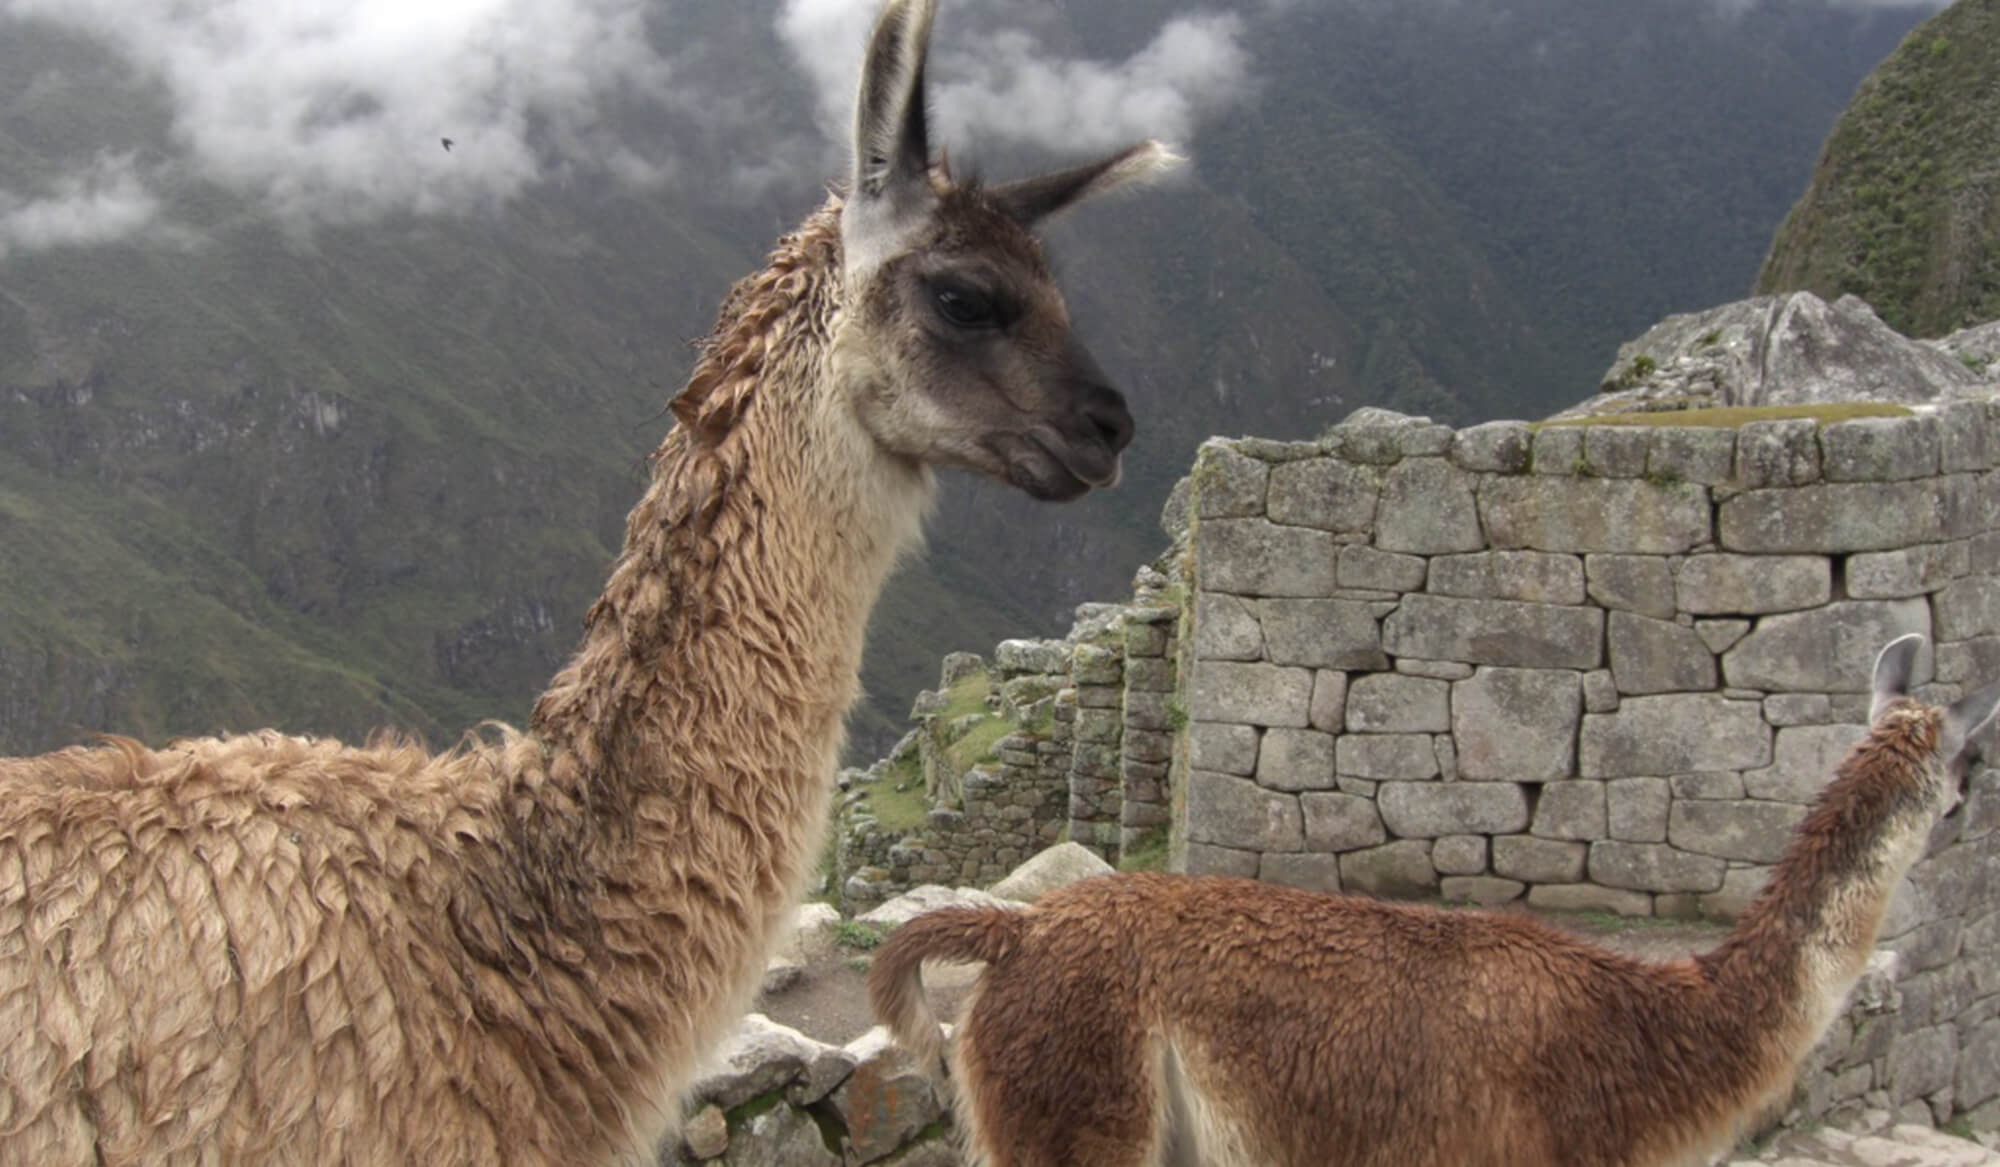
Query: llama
272,949
1150,1019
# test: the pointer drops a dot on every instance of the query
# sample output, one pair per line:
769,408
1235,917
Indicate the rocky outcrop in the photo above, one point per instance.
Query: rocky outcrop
1793,349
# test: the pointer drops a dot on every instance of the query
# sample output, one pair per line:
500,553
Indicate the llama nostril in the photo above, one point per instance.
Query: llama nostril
1109,419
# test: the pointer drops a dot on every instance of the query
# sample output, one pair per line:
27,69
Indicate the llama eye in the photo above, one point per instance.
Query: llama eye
966,307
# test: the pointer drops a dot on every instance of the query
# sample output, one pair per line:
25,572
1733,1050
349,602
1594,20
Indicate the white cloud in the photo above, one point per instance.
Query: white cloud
332,110
106,202
1002,84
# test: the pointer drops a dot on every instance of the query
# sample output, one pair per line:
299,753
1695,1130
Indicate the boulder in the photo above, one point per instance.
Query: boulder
928,898
1059,866
1792,349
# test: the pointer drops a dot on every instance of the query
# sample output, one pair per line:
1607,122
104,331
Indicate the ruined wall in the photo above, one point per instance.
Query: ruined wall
1597,667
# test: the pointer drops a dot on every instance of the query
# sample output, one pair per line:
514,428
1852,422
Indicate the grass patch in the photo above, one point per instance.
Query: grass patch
977,744
1149,855
900,806
967,696
1732,416
858,936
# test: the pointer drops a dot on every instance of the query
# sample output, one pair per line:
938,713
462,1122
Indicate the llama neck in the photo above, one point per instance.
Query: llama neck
697,729
1798,948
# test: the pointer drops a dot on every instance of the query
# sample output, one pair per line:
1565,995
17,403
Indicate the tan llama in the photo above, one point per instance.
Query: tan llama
276,950
1147,1020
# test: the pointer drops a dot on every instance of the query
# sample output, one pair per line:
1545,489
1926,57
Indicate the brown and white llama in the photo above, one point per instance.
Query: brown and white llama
269,949
1144,1020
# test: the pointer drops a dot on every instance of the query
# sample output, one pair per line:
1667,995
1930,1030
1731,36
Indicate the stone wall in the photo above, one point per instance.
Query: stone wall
1087,756
1596,667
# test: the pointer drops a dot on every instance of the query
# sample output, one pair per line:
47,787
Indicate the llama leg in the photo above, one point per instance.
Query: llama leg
1095,1098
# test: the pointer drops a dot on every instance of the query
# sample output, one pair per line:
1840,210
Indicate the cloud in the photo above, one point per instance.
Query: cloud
333,110
1002,84
108,201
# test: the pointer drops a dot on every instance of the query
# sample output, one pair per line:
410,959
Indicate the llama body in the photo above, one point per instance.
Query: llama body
1144,1020
270,949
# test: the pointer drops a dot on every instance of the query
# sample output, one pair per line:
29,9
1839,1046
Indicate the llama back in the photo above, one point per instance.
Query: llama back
190,960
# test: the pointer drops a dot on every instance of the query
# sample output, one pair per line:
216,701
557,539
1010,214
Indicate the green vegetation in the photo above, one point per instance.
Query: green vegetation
856,936
1149,855
1904,207
1731,416
898,802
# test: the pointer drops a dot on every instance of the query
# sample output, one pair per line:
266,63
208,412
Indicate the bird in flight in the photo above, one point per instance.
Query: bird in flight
447,144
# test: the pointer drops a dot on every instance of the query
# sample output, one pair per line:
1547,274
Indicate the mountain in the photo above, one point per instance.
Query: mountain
373,473
1903,208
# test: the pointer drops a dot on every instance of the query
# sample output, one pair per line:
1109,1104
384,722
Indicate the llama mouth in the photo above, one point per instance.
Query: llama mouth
1054,469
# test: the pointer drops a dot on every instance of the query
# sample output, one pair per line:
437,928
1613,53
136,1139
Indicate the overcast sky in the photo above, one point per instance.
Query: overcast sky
333,110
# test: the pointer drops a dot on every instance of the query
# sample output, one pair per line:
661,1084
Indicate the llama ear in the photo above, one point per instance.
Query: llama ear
1893,671
1966,717
889,185
1031,200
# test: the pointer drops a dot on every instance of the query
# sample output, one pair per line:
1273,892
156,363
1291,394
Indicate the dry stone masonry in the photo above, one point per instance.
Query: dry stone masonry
1598,667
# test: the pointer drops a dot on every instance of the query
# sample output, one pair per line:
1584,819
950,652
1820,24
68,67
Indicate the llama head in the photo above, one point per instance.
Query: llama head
954,345
1957,752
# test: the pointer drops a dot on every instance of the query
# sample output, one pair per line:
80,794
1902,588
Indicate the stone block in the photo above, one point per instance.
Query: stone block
1657,656
1459,855
1636,809
1427,508
1204,859
1326,634
1424,441
1570,810
1615,451
1382,571
1094,664
1921,1063
1747,830
1600,692
1395,703
1588,897
1837,517
1235,812
1443,670
1558,451
1309,871
1496,447
1784,709
1906,571
1534,576
1751,585
1632,583
1149,675
1673,733
1740,886
1781,452
1721,635
1485,890
1227,484
1516,724
1253,557
1970,662
1804,758
1828,650
1400,870
1385,756
1977,1079
1537,861
1251,694
1428,810
1039,657
1595,515
1653,867
1296,759
1329,700
1879,449
1326,494
1495,632
1968,608
1341,822
1692,453
1723,785
1144,639
1223,748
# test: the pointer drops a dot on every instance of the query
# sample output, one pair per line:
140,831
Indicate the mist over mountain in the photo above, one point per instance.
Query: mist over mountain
308,420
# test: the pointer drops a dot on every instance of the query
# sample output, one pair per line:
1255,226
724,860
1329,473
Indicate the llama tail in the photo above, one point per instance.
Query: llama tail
895,978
